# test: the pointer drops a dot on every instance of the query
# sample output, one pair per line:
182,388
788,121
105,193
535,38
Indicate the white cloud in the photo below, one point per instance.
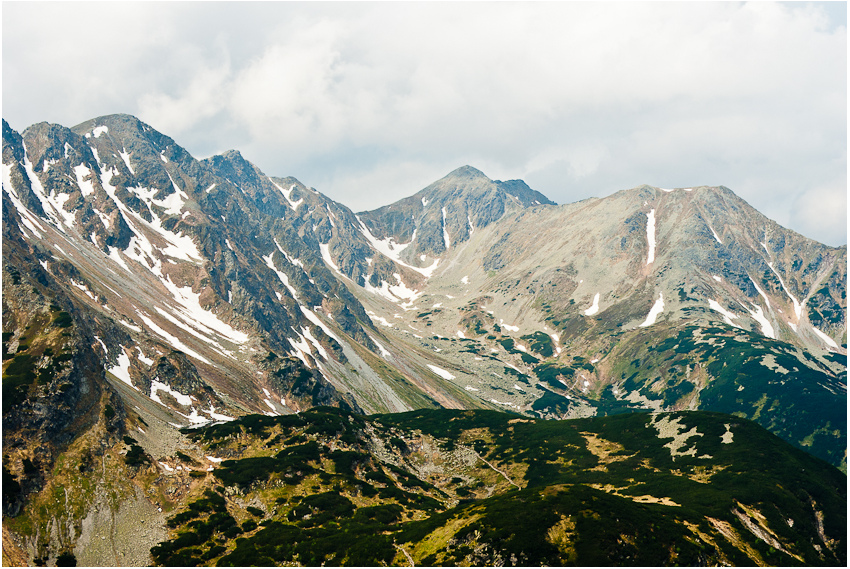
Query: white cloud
822,211
578,99
201,99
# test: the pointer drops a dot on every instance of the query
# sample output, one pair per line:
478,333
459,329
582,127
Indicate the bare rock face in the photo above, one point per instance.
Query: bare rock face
448,211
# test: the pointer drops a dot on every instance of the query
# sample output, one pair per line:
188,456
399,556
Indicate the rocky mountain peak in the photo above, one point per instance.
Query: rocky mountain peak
449,211
467,184
233,155
466,172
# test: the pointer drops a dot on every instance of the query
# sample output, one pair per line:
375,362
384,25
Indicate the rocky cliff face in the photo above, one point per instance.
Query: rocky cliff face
447,212
212,258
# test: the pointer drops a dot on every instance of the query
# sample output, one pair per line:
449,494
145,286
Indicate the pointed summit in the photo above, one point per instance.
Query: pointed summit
448,211
466,172
473,181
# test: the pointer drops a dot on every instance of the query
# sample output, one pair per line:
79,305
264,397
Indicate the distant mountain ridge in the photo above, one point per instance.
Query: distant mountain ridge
176,291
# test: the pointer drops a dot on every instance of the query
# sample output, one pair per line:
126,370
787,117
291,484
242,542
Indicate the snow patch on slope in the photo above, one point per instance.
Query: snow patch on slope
441,372
727,315
122,369
194,314
594,307
324,248
27,218
392,250
650,236
173,340
656,309
125,156
50,207
830,342
142,358
287,194
179,246
82,172
289,258
798,307
281,275
311,316
380,319
384,353
446,239
761,292
157,385
758,315
716,237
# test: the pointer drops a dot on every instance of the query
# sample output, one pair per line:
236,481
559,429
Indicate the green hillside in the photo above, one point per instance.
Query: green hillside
444,487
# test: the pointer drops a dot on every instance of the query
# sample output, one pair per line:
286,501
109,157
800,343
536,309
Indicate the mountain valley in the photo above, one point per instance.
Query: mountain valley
170,324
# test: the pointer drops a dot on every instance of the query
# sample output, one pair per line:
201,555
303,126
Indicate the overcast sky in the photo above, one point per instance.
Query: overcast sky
369,103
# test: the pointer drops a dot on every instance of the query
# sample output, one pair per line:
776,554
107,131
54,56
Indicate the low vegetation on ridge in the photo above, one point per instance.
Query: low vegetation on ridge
445,487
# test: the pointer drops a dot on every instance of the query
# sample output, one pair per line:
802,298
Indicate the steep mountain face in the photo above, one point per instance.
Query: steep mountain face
145,290
440,487
210,258
206,287
422,228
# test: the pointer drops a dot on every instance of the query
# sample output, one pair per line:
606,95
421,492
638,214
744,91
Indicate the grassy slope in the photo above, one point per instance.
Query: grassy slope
481,487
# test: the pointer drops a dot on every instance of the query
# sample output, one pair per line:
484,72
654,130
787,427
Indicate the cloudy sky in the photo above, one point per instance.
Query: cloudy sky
370,102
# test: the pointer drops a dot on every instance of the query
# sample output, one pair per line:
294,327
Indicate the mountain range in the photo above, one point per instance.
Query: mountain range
145,290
